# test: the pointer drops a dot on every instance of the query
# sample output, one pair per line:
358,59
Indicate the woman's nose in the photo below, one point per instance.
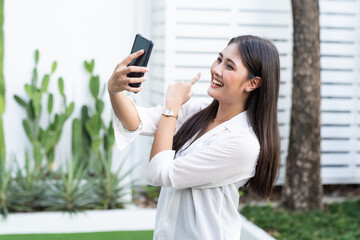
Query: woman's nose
217,70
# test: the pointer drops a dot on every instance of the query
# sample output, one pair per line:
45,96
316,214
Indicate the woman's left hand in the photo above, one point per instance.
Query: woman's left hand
179,93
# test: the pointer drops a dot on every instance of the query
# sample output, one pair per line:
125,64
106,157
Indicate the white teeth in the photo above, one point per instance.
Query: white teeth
218,83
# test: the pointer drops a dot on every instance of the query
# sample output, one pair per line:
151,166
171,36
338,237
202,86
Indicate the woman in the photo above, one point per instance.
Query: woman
203,153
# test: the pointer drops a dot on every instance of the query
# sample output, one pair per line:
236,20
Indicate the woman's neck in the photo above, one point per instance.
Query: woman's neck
226,111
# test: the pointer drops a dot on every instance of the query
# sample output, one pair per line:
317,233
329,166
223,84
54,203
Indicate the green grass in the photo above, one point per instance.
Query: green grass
128,235
340,221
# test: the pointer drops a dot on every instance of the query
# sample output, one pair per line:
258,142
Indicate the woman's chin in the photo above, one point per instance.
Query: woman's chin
212,93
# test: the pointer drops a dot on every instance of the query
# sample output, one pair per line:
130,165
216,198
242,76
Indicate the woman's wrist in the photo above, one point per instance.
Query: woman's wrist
174,107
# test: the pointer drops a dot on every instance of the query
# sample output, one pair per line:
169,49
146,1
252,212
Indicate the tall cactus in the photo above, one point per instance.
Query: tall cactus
81,140
92,139
43,140
2,84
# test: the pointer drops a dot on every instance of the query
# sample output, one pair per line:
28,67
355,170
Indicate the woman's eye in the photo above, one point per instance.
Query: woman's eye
219,60
230,67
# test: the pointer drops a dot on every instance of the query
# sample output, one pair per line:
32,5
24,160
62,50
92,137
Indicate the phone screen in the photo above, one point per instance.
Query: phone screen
140,43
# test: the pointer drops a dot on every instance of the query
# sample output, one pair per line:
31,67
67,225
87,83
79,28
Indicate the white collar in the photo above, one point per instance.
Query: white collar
237,123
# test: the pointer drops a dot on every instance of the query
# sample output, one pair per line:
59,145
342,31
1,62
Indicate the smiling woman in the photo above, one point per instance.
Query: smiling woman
203,153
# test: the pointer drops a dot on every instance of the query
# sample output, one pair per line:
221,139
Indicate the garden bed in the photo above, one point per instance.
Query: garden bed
92,221
337,221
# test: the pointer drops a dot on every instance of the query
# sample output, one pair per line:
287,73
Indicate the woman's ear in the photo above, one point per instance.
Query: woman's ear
253,84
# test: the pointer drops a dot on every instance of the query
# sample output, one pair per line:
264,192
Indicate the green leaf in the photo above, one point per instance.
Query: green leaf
2,85
89,65
109,137
76,142
37,55
34,79
53,67
2,94
69,110
50,140
2,147
30,110
27,129
50,158
45,83
99,106
44,137
95,145
29,90
57,122
50,103
60,122
37,104
20,101
37,153
84,114
61,86
93,125
2,105
94,86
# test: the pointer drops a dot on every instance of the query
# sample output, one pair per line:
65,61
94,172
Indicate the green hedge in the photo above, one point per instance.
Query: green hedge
336,221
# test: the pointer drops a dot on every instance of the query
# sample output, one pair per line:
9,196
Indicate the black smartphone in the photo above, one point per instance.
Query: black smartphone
140,43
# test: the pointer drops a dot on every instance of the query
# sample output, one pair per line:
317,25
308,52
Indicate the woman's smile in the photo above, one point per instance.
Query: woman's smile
216,83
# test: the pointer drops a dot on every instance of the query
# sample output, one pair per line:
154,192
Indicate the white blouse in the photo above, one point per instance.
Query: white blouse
199,196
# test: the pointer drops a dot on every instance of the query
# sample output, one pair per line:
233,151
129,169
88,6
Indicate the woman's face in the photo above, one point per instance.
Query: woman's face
228,76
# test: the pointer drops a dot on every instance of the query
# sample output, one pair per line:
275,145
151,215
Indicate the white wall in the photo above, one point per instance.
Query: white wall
68,32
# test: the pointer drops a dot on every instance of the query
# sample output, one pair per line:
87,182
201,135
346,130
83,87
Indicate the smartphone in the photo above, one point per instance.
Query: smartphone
140,43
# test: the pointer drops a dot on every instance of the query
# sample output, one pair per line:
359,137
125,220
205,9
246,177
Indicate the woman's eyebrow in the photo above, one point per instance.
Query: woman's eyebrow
227,59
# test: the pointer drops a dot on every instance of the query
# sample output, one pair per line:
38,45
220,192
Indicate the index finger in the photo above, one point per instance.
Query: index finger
132,56
195,79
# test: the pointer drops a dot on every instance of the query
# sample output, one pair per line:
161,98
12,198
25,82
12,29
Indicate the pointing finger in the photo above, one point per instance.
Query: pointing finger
195,79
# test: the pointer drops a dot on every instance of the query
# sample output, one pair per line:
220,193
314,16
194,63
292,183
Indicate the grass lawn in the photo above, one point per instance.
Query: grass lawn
128,235
339,221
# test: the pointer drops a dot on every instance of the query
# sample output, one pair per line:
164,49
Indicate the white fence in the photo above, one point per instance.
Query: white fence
189,34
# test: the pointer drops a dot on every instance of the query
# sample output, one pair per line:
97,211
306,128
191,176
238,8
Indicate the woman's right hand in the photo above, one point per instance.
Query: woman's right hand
119,81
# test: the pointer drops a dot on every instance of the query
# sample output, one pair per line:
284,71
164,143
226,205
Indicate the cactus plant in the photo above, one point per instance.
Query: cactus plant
92,139
29,187
109,188
43,140
5,178
2,83
71,193
81,140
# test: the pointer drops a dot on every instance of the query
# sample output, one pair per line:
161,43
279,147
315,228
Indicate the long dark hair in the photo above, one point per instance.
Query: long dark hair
261,59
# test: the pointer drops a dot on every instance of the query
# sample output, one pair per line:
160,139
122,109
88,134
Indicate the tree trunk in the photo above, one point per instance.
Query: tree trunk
303,189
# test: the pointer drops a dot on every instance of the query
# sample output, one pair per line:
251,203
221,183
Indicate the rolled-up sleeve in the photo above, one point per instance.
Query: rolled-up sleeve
149,120
223,162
